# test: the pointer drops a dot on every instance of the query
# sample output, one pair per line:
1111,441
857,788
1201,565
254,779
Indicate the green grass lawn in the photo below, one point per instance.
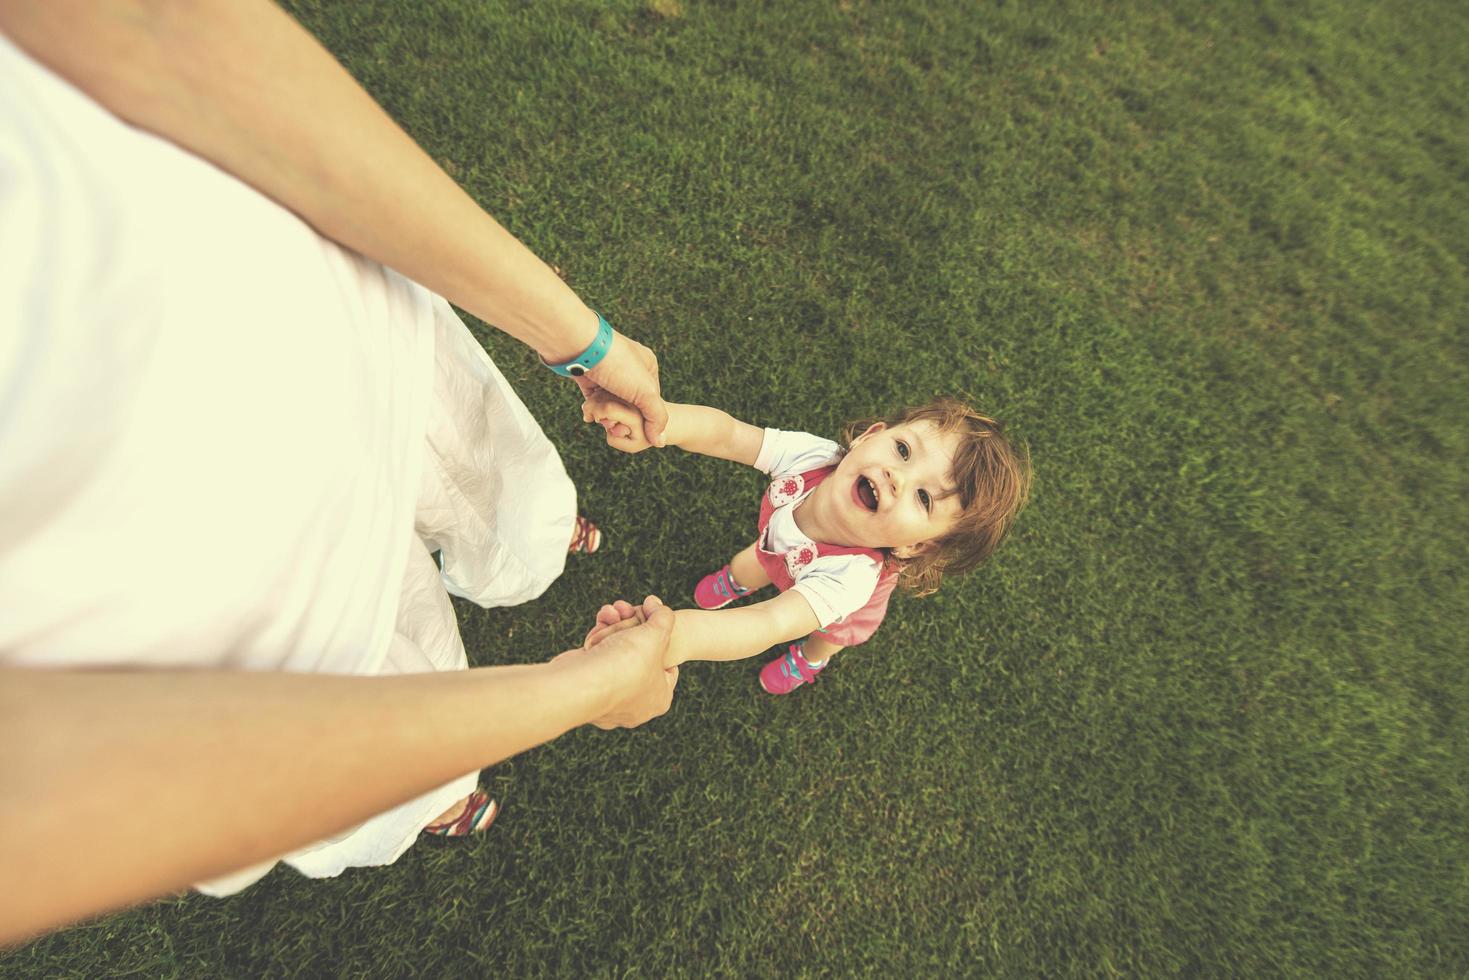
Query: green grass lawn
1204,714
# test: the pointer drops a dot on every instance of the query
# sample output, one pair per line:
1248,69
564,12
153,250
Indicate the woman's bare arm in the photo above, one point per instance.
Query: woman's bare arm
180,776
241,84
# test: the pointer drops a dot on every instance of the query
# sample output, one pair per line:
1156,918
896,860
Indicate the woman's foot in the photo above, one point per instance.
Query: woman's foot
471,815
586,537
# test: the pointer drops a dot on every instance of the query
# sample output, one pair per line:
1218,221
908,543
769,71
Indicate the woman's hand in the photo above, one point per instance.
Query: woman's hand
633,639
630,372
622,615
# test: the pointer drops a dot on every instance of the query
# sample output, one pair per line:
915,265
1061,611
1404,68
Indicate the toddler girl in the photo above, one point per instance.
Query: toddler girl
908,499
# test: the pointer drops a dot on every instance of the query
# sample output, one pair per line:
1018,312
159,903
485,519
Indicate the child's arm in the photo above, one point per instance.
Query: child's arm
694,428
734,634
723,634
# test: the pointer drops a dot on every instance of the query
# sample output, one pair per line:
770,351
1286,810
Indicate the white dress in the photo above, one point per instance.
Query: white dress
226,441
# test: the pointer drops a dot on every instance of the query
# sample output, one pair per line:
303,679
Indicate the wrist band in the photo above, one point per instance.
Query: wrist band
589,358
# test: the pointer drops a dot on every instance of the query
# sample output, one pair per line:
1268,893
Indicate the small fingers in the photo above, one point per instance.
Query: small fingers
607,630
624,444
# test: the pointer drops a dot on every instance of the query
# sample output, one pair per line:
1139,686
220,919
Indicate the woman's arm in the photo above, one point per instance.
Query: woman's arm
695,428
241,84
181,776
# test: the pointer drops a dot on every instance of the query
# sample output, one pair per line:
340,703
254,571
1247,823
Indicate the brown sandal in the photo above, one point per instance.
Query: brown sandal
586,537
479,812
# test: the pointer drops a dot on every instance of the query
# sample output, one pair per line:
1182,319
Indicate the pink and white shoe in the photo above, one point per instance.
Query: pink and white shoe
718,590
784,674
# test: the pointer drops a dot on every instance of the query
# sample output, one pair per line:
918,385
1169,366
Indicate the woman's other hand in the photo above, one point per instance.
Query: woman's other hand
634,641
630,372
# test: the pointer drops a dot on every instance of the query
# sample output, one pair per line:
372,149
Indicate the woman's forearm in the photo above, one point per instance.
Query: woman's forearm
117,787
241,84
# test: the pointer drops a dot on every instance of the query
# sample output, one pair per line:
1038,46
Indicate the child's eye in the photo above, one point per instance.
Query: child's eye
925,500
902,449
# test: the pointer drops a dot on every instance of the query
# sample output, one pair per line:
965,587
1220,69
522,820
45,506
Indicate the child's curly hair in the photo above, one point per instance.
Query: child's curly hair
993,479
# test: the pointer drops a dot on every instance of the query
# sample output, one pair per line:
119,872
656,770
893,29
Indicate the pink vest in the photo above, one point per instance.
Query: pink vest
782,568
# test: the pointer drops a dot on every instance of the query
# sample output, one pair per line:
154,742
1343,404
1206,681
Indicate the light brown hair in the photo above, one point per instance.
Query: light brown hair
993,483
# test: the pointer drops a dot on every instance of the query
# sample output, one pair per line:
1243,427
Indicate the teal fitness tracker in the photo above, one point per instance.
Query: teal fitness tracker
589,358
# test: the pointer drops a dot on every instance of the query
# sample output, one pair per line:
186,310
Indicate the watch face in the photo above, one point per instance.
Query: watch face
576,370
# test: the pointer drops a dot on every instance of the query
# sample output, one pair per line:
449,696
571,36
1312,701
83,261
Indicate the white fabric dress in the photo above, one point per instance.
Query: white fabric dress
226,441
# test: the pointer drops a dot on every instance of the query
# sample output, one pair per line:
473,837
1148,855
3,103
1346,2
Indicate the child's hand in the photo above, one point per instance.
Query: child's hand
612,617
620,615
639,657
623,422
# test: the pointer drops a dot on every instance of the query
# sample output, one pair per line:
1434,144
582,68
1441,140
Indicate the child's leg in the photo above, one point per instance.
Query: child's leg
818,650
745,568
731,583
798,664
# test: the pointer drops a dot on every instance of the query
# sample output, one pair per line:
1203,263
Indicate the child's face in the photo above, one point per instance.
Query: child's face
895,489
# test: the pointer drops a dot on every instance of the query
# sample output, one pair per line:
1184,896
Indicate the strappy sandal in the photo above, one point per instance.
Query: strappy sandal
586,538
479,812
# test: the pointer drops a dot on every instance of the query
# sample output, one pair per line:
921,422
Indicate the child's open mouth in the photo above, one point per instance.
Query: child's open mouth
867,493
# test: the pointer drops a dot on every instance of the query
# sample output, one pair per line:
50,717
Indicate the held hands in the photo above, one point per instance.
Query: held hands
629,373
622,615
621,421
634,639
